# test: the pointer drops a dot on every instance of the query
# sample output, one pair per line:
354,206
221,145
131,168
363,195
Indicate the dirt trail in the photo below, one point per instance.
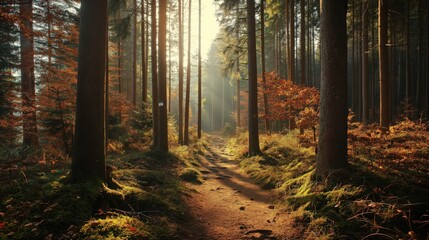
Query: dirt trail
228,206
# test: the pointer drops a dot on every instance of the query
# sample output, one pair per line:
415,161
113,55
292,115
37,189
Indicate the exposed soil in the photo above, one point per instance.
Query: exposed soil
228,206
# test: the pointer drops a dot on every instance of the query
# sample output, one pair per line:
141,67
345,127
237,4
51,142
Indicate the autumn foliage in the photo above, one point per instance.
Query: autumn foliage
287,101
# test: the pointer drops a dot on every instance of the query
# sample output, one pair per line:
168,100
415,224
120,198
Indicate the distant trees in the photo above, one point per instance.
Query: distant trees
89,146
332,145
8,89
289,46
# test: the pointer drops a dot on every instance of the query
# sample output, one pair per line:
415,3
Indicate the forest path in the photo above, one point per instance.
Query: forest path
228,206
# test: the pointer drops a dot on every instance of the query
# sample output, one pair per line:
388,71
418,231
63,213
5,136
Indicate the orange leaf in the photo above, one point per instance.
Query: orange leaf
132,229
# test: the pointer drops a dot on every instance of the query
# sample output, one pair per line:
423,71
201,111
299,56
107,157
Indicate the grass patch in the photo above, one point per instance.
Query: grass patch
147,204
114,226
374,201
190,175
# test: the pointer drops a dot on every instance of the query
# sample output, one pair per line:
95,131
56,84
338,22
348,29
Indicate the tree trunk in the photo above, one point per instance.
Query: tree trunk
420,71
146,66
407,58
143,54
155,113
134,83
332,146
238,73
199,69
292,40
427,66
264,81
188,79
302,48
180,122
383,64
106,90
170,30
162,39
365,83
288,56
253,83
119,63
28,89
89,146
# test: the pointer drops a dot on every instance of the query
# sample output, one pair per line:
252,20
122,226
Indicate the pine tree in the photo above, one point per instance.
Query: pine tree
332,146
89,147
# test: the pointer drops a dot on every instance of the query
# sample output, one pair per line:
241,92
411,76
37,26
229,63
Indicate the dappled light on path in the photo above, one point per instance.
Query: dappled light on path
227,205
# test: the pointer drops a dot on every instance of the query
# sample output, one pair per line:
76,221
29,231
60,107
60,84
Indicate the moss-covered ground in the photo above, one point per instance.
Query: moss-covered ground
38,202
386,195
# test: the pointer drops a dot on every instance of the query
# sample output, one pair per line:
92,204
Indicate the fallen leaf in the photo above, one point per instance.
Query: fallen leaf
132,229
28,225
2,224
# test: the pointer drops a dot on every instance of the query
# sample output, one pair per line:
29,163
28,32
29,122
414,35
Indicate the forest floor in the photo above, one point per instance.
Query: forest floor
211,190
227,205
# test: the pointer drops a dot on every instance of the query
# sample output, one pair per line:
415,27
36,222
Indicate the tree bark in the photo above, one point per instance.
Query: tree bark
332,146
146,66
238,72
407,58
134,83
180,122
170,30
143,54
253,83
302,48
264,81
365,82
28,89
188,80
383,64
162,38
292,40
155,113
199,69
89,147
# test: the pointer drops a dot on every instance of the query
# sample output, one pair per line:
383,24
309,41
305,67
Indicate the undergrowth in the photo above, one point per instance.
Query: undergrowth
386,196
39,202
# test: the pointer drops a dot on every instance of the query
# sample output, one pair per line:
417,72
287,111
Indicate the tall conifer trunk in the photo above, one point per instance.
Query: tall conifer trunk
143,53
253,83
383,64
264,81
188,80
180,121
162,83
365,80
155,113
199,69
332,146
28,87
89,142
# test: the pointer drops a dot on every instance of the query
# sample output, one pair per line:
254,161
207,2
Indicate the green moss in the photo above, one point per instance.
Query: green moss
190,175
114,227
